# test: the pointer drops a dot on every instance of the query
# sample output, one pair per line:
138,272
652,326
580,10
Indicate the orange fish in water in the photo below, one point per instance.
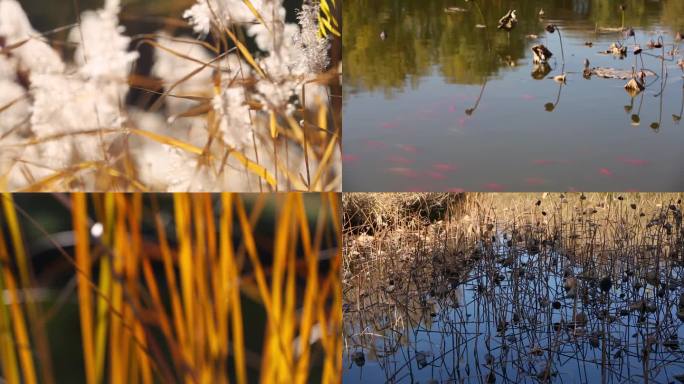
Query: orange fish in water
605,172
494,187
534,181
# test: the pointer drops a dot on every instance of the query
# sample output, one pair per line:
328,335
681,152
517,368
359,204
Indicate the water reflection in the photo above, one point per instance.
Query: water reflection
478,325
422,35
480,85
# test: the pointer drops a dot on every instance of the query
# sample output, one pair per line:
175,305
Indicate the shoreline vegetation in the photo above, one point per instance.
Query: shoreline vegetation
407,225
238,98
386,226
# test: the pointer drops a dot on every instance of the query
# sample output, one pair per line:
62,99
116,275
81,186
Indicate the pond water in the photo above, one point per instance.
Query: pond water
441,104
516,317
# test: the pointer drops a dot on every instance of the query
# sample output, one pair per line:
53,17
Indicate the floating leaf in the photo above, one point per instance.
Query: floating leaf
634,86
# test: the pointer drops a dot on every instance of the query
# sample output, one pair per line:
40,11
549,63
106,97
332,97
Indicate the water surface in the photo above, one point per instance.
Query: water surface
411,100
514,321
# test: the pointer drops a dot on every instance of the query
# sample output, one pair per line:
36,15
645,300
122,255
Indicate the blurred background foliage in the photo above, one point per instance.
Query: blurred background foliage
421,35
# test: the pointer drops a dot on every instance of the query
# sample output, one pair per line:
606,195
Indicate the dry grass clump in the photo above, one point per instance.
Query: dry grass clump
387,233
590,226
370,212
162,298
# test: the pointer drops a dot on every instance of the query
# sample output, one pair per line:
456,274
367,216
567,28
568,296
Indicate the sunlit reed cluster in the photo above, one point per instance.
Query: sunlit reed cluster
221,116
169,306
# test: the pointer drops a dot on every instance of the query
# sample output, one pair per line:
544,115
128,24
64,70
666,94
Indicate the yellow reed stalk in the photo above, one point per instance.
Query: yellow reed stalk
117,357
334,355
250,246
8,355
259,273
20,329
212,252
82,235
253,167
176,304
48,182
151,281
245,53
22,262
323,164
167,140
185,265
289,318
133,261
281,258
333,342
230,286
145,364
273,125
256,13
273,328
284,224
331,337
203,301
215,324
329,340
104,284
128,365
327,23
204,326
323,118
17,240
135,240
311,292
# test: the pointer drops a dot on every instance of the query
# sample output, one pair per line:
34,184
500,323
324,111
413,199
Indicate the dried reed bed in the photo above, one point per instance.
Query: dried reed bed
171,309
515,286
584,225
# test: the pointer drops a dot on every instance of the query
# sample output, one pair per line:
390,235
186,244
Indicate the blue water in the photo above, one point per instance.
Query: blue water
452,334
